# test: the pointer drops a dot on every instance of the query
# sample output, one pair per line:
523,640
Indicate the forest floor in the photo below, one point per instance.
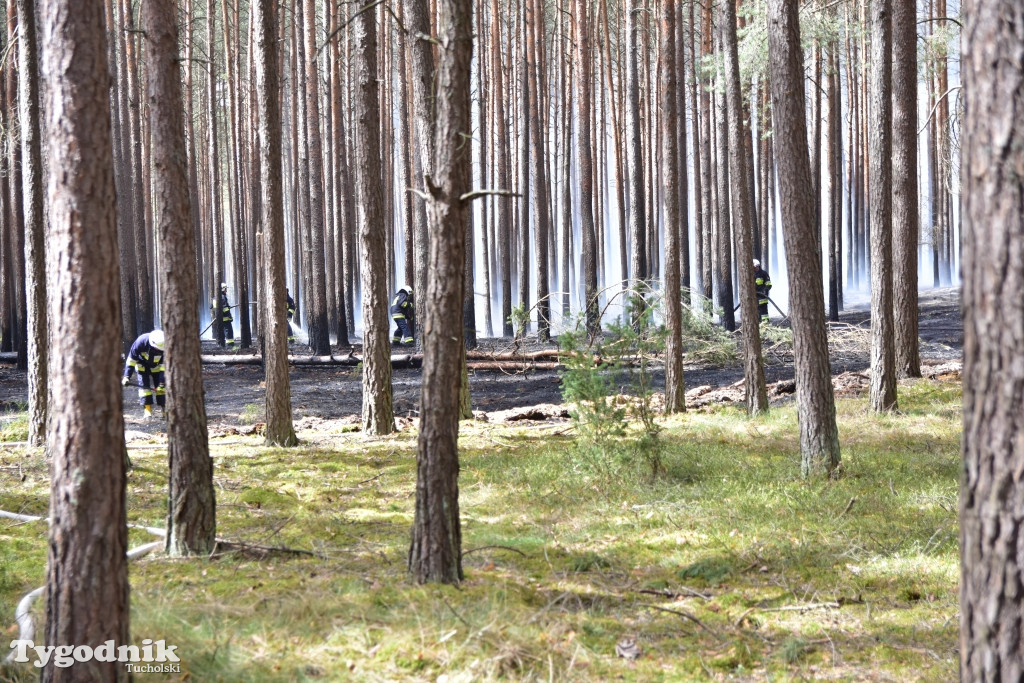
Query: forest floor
235,392
727,566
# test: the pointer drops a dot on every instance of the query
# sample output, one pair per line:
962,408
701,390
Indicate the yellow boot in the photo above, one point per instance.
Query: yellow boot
148,412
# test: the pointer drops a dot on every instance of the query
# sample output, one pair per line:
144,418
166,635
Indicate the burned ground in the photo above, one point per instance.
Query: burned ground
235,392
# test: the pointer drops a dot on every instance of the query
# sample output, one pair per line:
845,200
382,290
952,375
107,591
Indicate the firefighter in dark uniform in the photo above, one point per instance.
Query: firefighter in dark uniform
763,285
146,357
291,313
220,305
404,313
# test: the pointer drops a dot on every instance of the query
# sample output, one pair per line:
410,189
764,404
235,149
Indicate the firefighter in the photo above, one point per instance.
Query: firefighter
221,305
403,311
762,284
291,312
146,357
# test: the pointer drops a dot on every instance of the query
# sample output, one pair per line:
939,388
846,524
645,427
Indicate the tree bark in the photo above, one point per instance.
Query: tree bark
585,163
32,189
706,175
904,187
723,226
144,247
819,437
191,520
421,61
316,296
87,570
698,190
435,554
883,352
756,393
215,217
681,161
378,415
675,386
538,156
992,491
634,154
280,430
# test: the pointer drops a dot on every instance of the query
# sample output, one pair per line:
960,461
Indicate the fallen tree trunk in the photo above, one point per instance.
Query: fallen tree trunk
512,366
398,362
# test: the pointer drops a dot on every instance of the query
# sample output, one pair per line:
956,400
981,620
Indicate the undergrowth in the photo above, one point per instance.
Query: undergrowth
728,565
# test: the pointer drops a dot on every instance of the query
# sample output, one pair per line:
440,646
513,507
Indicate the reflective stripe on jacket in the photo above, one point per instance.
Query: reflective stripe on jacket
144,358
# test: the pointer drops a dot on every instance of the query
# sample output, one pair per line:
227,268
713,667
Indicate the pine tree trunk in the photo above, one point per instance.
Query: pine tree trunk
214,220
144,247
756,393
833,182
32,189
722,237
883,352
125,234
904,188
585,163
316,295
681,159
280,430
675,386
992,491
524,166
819,437
378,416
706,175
539,196
696,129
87,570
191,522
344,217
421,64
435,554
634,151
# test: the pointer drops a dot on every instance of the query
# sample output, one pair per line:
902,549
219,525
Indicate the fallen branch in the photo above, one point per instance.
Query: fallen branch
802,608
266,549
672,594
487,547
687,615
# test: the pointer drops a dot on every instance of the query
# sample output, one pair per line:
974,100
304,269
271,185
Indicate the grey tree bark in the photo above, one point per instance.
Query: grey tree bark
280,430
191,516
32,191
991,488
819,437
87,570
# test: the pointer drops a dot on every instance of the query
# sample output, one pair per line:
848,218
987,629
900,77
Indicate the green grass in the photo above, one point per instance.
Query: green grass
14,427
251,414
563,560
